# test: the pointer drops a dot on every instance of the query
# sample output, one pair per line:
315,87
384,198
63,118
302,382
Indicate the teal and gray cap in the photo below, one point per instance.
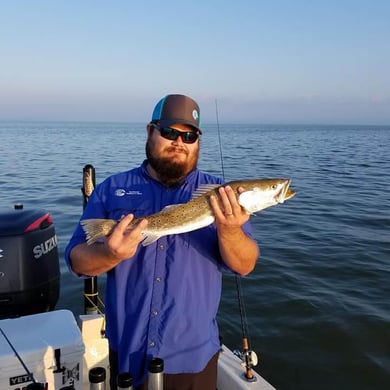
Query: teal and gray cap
173,109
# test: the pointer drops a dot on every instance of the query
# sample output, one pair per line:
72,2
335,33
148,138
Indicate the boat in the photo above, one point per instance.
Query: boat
57,350
40,344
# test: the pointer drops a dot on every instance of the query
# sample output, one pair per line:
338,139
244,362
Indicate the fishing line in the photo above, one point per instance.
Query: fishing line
219,140
30,374
241,305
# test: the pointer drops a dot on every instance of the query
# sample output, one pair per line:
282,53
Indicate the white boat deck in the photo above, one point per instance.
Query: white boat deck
230,370
231,374
52,348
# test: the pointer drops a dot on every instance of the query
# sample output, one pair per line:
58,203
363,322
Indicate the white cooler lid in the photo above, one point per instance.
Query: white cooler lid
35,335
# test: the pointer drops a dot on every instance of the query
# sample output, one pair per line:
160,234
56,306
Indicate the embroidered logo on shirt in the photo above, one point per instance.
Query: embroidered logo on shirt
122,192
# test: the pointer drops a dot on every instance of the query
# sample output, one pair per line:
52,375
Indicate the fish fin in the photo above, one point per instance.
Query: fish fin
149,239
97,228
203,189
170,207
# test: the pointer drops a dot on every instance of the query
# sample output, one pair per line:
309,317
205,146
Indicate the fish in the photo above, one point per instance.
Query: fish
257,195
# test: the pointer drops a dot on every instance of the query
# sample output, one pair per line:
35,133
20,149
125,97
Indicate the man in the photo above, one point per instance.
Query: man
162,299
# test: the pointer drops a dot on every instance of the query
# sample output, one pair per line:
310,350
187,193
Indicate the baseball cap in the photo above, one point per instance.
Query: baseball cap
173,109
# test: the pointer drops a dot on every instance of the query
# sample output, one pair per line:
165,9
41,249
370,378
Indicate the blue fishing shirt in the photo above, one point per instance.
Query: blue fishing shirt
163,301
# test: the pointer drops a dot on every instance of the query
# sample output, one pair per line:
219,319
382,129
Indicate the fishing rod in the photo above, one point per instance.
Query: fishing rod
248,356
90,284
29,373
91,292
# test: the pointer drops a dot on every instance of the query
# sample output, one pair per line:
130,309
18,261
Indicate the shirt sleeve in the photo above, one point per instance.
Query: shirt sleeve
94,209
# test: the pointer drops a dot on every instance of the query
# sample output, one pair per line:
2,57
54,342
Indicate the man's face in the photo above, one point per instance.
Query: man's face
172,160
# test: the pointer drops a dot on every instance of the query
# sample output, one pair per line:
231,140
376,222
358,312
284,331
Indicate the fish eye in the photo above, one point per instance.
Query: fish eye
274,186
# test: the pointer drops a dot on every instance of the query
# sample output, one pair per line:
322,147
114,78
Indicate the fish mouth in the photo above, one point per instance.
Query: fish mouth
285,192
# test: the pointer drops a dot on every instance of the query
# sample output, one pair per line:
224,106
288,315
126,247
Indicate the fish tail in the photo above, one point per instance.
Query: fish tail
97,228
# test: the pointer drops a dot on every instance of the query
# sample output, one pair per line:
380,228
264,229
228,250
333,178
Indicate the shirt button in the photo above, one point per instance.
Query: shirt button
155,312
151,344
161,246
158,279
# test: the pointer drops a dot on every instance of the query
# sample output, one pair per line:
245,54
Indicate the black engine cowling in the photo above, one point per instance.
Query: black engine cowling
29,263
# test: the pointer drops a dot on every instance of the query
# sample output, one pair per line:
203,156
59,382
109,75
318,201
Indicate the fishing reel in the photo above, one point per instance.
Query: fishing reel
248,359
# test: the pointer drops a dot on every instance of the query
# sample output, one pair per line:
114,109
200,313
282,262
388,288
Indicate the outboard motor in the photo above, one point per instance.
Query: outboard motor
29,263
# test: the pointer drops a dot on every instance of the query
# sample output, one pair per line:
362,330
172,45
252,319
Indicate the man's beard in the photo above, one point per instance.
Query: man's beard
170,173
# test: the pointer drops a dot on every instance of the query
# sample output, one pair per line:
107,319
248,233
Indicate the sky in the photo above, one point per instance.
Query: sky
249,61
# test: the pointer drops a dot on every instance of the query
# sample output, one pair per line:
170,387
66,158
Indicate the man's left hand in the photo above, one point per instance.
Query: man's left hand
228,212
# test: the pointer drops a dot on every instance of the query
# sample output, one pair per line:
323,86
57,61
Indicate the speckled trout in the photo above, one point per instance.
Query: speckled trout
197,213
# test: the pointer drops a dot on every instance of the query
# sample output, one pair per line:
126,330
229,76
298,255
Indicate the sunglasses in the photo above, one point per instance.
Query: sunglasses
188,137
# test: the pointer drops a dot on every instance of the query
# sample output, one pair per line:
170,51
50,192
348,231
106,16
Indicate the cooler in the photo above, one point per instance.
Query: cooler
50,346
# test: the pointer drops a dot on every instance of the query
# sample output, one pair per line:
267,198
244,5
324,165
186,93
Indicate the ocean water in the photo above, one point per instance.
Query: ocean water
318,303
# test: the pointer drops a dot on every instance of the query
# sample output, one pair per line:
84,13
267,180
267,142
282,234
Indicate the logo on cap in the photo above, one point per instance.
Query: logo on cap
195,114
